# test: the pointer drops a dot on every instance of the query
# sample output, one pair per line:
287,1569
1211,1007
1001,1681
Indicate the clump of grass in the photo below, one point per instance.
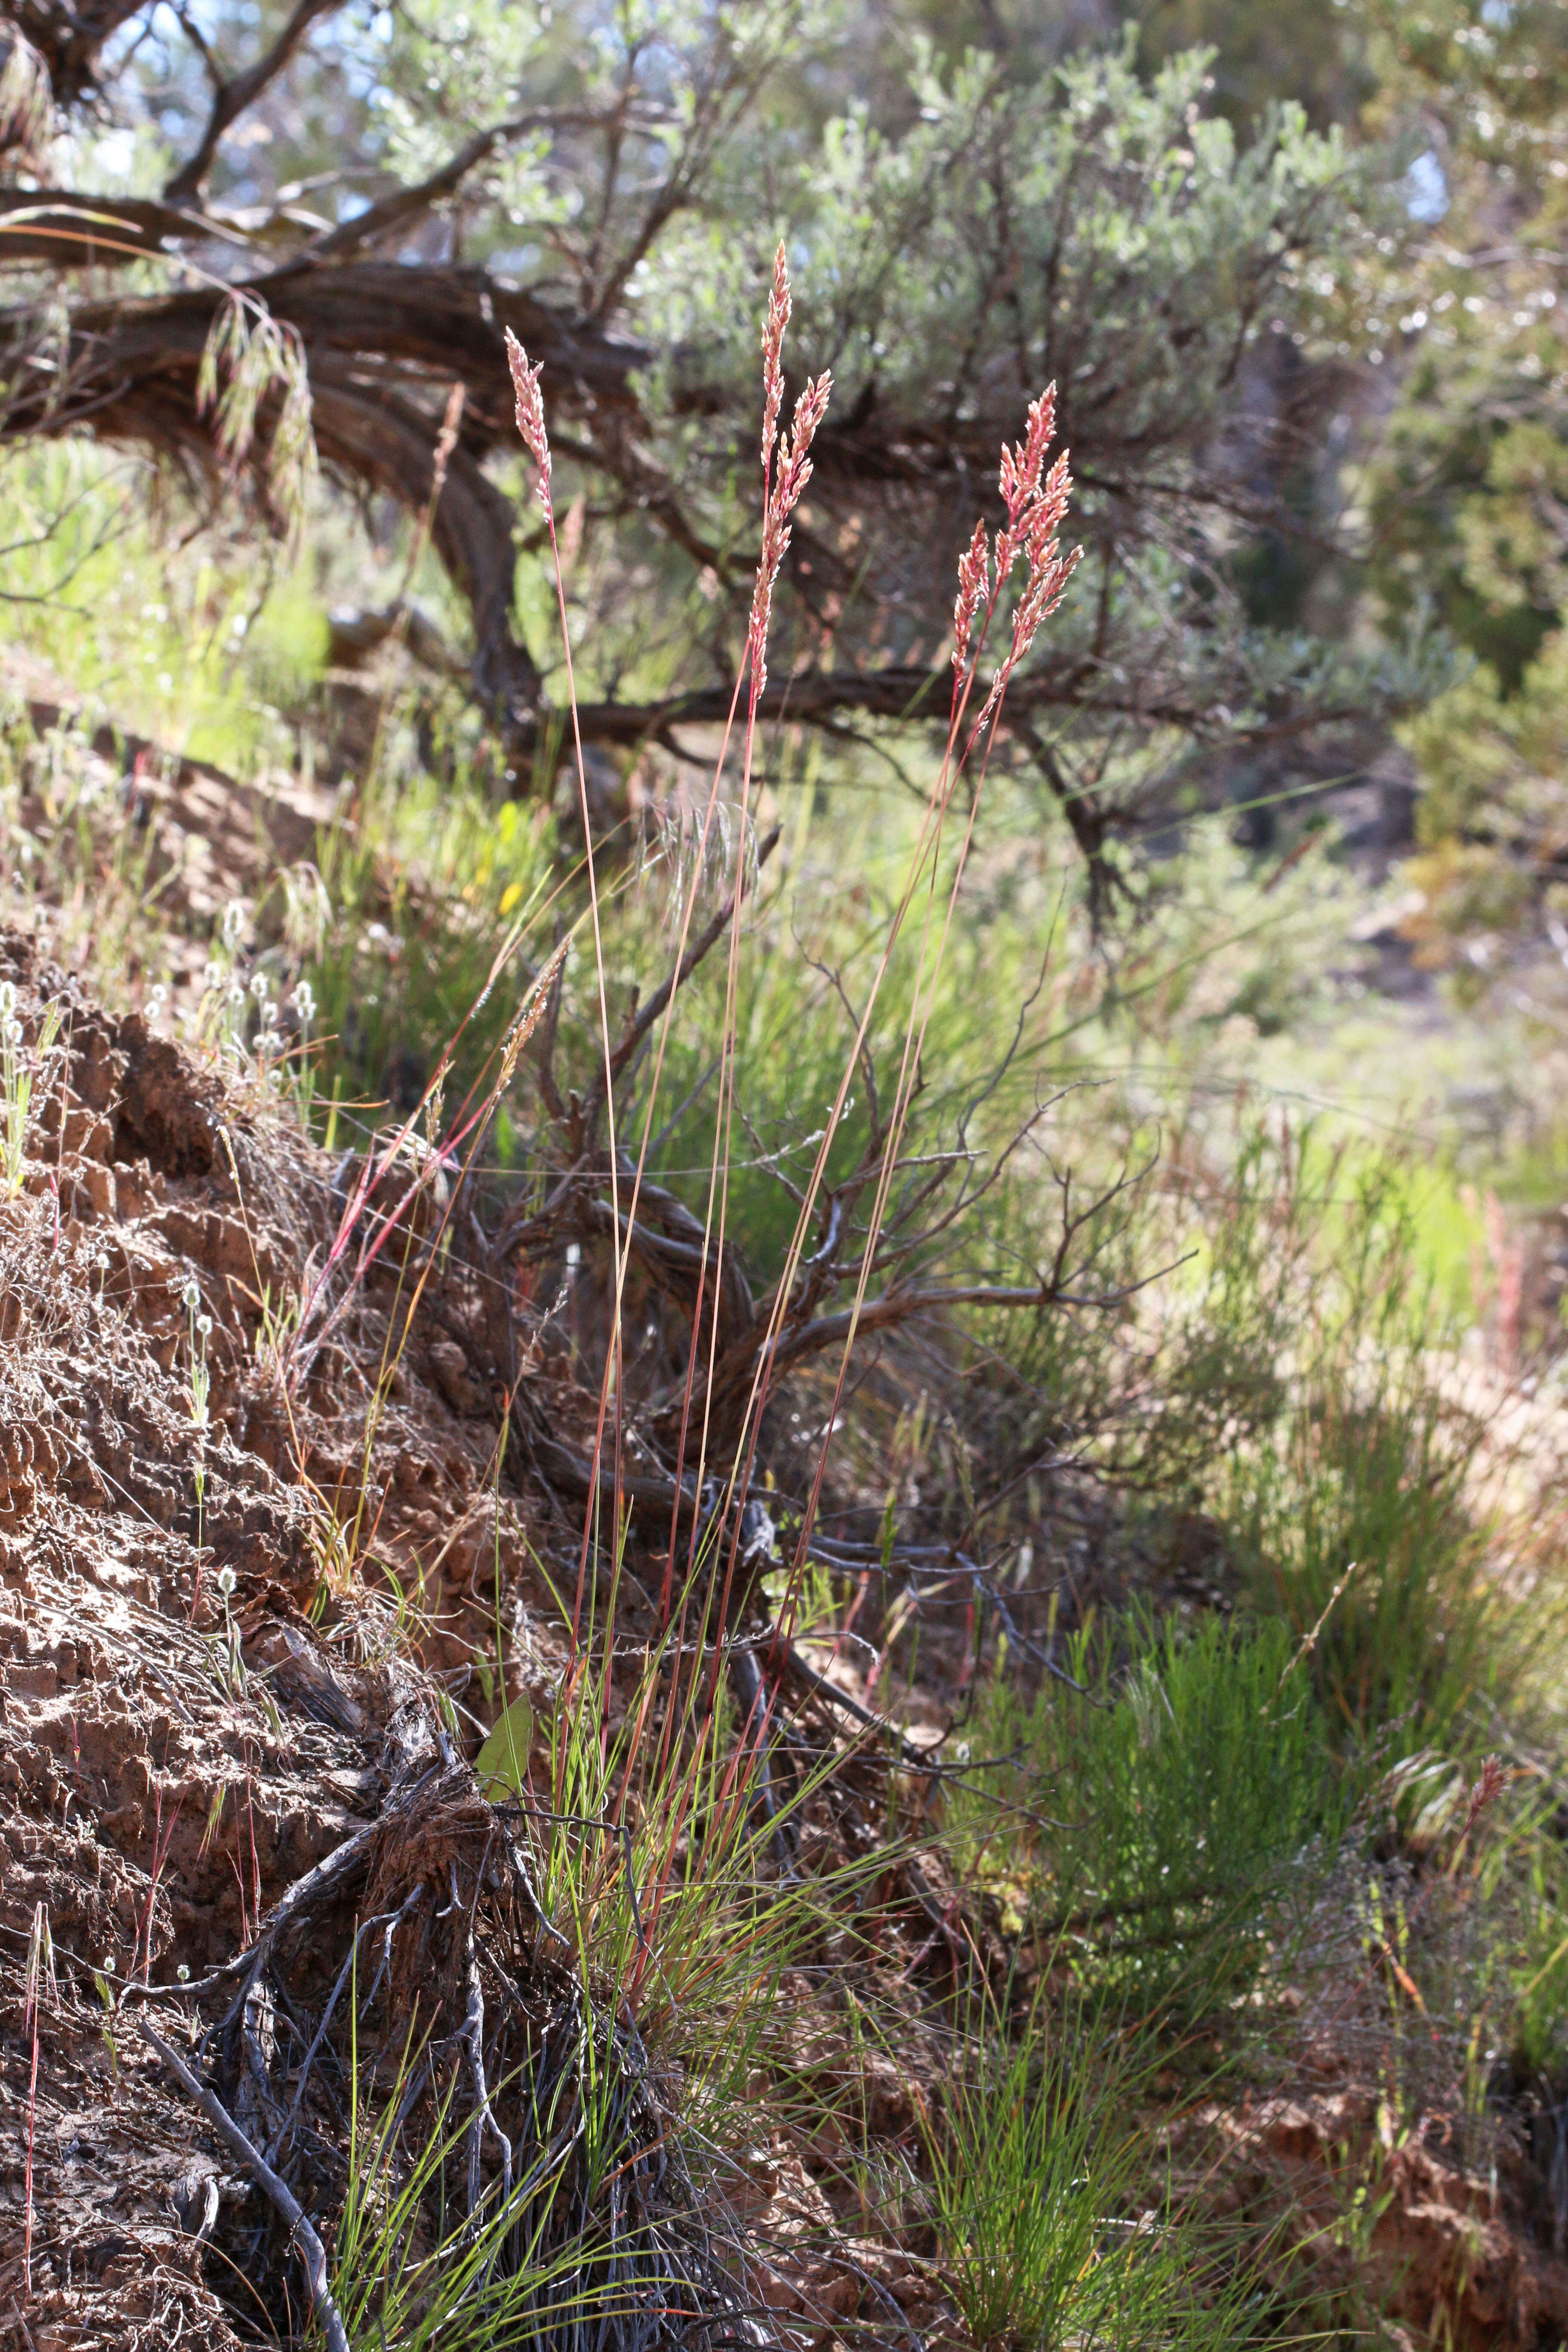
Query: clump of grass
1292,1376
1037,2197
649,2004
529,2268
24,1068
1368,1464
1166,1821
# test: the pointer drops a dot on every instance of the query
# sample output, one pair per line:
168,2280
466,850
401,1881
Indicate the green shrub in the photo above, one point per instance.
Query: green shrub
1168,1820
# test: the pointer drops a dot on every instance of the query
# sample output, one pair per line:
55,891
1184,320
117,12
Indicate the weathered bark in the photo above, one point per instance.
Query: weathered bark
376,336
68,38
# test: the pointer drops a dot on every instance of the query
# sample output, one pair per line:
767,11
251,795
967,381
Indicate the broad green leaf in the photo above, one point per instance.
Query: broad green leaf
503,1760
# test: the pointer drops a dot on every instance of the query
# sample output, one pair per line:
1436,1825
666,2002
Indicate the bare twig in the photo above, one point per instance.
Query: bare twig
473,2037
391,211
313,2254
328,1874
388,1919
638,1027
231,98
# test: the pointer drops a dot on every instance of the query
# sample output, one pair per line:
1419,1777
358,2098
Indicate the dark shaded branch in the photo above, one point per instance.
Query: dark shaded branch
383,344
902,693
401,205
1087,821
353,638
68,35
231,98
132,374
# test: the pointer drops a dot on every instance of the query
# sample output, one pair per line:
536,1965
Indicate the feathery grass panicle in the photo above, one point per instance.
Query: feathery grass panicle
974,580
531,415
783,487
781,302
1019,478
1036,511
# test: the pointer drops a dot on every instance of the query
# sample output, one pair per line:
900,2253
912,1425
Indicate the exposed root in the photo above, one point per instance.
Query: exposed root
313,2254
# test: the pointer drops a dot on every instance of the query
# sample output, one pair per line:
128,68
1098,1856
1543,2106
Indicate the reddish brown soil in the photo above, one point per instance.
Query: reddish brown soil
153,1807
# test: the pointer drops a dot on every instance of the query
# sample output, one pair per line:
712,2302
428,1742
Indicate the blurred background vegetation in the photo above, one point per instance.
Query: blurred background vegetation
1286,774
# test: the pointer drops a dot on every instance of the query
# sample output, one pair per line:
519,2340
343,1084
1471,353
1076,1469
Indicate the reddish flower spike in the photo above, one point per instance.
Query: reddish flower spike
973,579
780,304
531,413
1020,474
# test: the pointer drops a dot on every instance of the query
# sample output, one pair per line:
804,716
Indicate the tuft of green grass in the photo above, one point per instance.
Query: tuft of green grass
24,1068
1037,2198
1365,1484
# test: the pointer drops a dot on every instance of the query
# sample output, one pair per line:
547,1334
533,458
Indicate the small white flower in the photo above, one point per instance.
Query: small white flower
184,1973
227,1581
191,1294
12,1032
233,922
258,987
7,998
236,994
203,1325
158,995
215,974
305,1000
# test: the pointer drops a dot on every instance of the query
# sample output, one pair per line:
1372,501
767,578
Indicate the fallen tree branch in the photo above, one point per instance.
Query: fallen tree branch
85,231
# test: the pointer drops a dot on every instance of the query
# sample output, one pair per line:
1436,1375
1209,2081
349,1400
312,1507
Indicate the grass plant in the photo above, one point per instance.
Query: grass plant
24,1068
1163,1826
1037,2196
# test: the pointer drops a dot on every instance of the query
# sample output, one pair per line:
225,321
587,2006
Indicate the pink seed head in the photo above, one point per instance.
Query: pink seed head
530,413
794,473
795,466
1036,511
973,579
780,304
1020,474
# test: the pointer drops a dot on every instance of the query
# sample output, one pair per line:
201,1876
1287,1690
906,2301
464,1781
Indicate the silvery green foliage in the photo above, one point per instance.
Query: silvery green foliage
961,232
1089,229
954,246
